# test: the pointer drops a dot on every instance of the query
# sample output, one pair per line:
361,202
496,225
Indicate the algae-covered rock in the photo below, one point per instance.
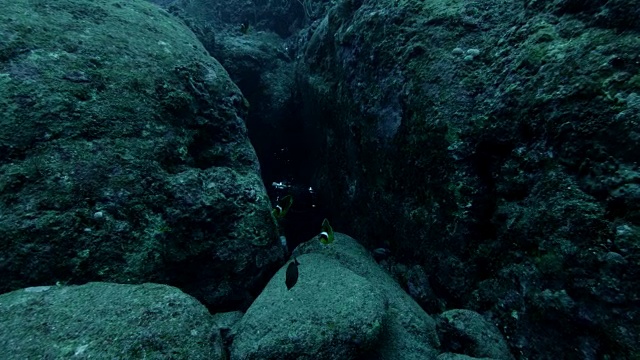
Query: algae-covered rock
470,136
125,155
408,332
104,321
467,332
343,306
330,313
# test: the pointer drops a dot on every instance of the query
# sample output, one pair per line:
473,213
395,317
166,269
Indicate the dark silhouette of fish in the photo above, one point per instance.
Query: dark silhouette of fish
292,274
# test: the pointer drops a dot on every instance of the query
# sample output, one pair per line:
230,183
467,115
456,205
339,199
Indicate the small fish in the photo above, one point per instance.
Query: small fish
326,233
381,253
244,27
292,274
283,207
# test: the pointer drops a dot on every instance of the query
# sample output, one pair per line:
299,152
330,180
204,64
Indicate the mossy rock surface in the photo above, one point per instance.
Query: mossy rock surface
125,155
487,141
104,321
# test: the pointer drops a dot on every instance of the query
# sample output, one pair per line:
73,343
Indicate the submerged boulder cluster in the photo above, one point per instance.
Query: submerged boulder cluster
486,149
344,306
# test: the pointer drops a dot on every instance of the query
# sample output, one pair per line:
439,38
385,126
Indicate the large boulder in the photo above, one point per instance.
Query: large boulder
331,313
125,155
344,306
104,321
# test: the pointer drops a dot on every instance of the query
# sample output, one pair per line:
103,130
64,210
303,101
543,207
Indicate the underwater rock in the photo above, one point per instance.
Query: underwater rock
343,307
331,313
409,332
466,331
452,356
127,162
104,321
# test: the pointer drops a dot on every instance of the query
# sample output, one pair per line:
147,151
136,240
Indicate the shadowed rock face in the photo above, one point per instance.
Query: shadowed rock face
467,332
494,143
124,155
